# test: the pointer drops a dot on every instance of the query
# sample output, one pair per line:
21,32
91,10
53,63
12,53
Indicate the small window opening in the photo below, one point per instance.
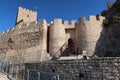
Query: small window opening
53,70
27,15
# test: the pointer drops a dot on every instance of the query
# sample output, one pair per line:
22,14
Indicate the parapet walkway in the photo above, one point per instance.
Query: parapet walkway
3,76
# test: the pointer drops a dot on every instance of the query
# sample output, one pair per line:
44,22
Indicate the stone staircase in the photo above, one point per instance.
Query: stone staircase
69,51
65,50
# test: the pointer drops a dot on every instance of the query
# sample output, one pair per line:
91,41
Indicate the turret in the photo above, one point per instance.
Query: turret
88,32
57,36
25,15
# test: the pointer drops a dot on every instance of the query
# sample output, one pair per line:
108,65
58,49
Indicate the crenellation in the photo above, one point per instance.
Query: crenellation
82,19
42,21
65,22
57,21
92,18
73,22
3,33
8,31
21,7
51,22
102,18
13,28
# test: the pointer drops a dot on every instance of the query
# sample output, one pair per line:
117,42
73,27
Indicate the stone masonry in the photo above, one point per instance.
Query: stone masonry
92,69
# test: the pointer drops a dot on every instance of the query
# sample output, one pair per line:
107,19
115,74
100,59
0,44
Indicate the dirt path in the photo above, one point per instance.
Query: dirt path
3,77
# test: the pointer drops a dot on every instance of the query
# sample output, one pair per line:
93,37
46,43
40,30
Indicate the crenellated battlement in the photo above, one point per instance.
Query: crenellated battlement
71,25
28,10
66,22
26,15
91,18
57,21
32,25
24,27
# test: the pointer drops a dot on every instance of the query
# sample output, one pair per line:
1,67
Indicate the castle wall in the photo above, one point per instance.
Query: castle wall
27,39
87,34
57,36
28,55
69,26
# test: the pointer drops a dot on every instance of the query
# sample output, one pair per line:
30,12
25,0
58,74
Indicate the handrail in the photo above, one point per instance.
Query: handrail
57,55
41,71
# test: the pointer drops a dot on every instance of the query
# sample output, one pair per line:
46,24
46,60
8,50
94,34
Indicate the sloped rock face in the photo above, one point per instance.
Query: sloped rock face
108,44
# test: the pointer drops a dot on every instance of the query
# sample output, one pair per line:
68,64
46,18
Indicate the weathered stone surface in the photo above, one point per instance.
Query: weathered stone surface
87,33
23,41
93,69
108,43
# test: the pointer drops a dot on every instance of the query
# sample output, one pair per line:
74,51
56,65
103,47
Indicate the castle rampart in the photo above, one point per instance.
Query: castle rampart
91,18
67,25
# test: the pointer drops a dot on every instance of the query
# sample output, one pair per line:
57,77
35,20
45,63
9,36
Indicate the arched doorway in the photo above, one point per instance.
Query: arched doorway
70,42
70,49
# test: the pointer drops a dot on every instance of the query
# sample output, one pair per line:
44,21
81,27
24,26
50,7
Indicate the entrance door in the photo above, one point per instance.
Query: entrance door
70,42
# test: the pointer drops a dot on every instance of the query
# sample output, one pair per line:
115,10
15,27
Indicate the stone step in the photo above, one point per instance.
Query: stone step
69,51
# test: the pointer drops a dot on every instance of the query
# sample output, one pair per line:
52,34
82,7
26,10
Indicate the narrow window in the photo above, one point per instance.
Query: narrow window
27,15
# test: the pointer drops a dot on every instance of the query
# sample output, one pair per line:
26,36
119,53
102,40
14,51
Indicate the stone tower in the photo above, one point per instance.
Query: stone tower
57,36
88,33
25,15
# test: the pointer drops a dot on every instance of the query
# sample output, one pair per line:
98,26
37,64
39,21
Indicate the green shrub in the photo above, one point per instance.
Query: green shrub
116,19
106,22
111,20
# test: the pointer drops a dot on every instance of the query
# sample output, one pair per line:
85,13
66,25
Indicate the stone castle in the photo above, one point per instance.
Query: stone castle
32,41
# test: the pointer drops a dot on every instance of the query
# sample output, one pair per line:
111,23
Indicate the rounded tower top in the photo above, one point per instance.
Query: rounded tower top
57,21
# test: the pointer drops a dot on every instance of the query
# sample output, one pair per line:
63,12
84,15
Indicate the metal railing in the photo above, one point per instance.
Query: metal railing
10,70
29,74
18,72
60,50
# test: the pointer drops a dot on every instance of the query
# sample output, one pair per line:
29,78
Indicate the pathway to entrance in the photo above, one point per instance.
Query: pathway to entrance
3,76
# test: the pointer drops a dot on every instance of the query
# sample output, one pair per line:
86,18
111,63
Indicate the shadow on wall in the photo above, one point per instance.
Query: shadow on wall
108,45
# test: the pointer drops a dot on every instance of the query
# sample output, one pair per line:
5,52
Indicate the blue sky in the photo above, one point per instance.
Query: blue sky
50,9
